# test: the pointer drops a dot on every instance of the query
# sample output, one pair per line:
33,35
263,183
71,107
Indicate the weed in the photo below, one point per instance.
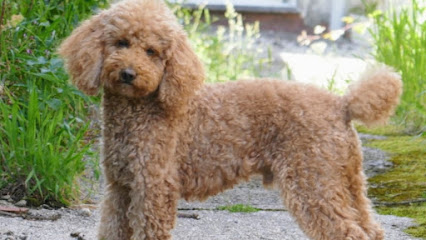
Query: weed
239,208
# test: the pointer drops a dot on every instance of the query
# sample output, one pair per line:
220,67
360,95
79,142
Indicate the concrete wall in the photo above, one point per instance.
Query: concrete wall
319,12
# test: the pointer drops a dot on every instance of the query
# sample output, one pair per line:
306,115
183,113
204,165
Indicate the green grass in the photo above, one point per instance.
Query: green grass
400,41
40,150
404,182
239,208
42,125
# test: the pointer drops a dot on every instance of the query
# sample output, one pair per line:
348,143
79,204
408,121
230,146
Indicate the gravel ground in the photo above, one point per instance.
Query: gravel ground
211,225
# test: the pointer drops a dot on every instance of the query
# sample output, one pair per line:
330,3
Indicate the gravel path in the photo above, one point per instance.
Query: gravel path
211,225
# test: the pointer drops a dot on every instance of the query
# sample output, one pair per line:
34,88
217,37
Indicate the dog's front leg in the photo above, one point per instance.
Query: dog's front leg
153,203
114,223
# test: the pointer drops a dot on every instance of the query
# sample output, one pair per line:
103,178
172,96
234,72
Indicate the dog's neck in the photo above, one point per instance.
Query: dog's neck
134,106
117,106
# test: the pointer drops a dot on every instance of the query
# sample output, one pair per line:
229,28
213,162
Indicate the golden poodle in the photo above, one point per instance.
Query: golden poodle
169,136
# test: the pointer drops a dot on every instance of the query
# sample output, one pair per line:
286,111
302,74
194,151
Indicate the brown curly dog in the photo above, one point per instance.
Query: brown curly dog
169,136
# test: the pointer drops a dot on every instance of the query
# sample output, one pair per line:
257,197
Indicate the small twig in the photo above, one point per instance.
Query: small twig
13,209
88,206
38,217
30,216
189,215
8,214
403,203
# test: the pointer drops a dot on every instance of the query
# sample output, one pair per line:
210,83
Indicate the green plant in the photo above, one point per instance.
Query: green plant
229,53
42,134
40,150
400,41
239,208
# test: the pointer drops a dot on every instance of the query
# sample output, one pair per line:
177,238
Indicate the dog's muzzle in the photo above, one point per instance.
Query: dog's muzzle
127,75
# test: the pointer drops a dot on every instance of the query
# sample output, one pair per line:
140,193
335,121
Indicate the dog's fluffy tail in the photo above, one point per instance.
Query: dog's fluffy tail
372,99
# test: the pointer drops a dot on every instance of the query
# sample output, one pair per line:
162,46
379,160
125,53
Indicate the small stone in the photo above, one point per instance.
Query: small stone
46,206
5,197
21,203
4,203
85,212
78,235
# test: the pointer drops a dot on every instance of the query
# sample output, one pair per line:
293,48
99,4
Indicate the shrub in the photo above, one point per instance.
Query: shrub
41,131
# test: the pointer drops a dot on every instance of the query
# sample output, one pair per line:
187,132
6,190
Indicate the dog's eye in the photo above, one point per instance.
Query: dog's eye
150,52
123,43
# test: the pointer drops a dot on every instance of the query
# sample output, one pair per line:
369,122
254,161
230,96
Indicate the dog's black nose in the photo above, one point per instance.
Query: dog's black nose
127,75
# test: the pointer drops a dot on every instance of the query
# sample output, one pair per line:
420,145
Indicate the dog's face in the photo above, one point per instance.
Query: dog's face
134,49
134,58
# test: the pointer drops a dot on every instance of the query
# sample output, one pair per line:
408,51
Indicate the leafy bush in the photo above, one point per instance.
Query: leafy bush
41,131
400,41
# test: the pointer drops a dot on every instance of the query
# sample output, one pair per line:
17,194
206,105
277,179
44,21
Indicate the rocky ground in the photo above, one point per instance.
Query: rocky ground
331,65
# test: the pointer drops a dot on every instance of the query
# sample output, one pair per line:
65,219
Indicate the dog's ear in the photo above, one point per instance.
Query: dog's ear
184,73
82,52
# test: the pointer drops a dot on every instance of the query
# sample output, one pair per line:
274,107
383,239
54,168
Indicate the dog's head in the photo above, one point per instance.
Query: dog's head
134,49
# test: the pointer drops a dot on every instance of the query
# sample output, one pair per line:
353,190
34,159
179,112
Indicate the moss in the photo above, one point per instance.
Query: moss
239,208
406,181
417,211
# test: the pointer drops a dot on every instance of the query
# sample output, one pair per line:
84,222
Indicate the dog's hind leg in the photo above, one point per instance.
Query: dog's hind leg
317,195
357,188
114,223
363,205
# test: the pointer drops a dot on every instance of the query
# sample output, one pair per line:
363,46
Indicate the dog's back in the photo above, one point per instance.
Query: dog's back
239,128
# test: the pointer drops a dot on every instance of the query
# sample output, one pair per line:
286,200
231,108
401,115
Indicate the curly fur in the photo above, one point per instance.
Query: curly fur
169,136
